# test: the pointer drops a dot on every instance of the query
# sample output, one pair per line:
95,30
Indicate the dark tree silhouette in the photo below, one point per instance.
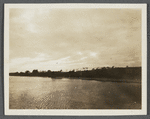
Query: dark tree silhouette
104,72
27,72
34,71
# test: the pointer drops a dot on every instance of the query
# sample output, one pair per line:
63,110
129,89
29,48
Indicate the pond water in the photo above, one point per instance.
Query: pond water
65,93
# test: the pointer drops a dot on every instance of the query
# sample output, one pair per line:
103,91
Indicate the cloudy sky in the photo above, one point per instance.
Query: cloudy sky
54,39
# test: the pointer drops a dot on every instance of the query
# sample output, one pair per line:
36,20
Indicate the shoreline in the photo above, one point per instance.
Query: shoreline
123,80
114,80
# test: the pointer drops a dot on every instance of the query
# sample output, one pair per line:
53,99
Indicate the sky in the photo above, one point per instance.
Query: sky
55,39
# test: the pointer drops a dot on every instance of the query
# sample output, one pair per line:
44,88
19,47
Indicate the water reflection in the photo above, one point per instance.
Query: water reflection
47,93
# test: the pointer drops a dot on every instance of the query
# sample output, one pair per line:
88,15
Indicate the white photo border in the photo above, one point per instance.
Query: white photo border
76,112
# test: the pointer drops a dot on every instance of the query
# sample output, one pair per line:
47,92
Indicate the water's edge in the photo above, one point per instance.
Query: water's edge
124,80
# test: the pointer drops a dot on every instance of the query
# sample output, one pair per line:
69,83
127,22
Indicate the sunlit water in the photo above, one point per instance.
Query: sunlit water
48,93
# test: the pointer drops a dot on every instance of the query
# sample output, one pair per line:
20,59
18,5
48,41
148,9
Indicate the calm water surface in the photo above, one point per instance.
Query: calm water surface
48,93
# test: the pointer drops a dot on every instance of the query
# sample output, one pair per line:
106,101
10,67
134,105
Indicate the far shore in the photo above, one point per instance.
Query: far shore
124,80
114,80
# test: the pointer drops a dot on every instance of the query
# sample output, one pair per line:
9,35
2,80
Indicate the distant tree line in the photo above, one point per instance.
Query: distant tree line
105,72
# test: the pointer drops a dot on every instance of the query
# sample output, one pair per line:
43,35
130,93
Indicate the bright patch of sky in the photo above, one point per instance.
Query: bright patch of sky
93,54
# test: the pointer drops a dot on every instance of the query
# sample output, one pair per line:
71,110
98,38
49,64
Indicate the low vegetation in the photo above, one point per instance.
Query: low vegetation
105,72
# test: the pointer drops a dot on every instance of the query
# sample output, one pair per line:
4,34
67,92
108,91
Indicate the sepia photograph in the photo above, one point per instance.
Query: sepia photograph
75,59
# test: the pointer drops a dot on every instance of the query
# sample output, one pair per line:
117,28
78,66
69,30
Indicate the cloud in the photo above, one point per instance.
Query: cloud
93,54
79,53
62,38
83,58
